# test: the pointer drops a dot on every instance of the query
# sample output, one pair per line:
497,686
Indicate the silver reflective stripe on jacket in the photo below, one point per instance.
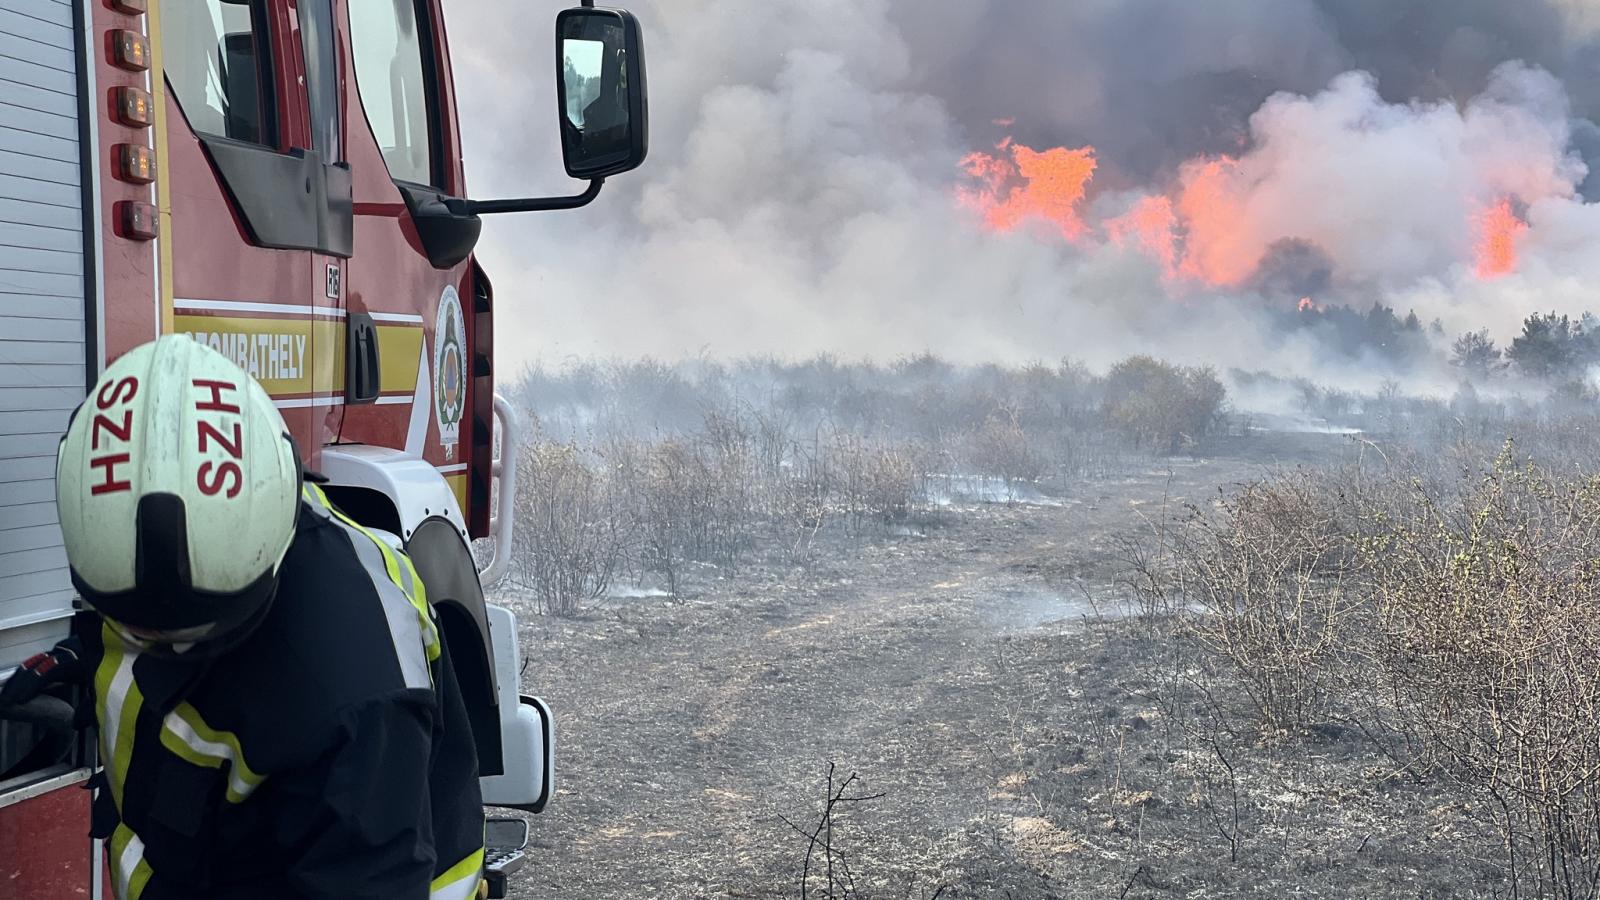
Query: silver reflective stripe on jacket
411,625
129,871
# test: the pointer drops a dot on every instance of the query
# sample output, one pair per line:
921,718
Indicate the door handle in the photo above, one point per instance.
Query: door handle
363,380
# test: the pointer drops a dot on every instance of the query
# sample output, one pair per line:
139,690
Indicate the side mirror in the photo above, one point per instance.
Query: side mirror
605,127
600,81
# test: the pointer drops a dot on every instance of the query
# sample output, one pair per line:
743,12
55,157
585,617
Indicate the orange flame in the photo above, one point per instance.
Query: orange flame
1309,305
1217,250
1153,227
1499,230
1020,183
1200,231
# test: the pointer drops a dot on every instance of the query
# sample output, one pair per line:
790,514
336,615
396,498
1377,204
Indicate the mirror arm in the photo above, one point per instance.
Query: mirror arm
461,207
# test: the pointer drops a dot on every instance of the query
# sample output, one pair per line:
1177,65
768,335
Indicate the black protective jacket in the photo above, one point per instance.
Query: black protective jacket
328,755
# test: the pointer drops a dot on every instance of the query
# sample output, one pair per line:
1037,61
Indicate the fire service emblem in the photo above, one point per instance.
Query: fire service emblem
449,370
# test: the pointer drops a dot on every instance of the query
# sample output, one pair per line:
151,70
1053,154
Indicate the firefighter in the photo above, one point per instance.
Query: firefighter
277,713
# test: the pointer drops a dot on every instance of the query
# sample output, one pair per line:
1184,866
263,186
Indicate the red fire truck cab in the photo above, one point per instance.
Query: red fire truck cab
281,180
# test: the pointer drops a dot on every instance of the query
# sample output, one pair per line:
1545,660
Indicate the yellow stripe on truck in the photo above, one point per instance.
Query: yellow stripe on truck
296,357
458,486
399,349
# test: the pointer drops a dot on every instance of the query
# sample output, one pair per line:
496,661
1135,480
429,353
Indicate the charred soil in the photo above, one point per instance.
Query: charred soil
982,672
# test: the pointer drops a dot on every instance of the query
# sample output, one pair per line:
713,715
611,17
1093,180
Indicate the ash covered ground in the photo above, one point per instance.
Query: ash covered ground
983,673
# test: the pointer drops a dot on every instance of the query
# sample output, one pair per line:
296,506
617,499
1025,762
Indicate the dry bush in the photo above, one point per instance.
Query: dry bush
772,434
803,499
1455,619
691,500
1489,644
1002,449
1163,406
1260,581
665,501
724,488
873,483
573,531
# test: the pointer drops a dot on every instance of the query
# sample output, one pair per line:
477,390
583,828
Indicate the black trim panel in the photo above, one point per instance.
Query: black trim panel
447,236
289,201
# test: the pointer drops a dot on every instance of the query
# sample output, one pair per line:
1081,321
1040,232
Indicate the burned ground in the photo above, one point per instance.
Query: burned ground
982,673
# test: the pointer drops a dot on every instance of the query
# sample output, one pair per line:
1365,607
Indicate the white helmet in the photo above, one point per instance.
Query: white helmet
178,487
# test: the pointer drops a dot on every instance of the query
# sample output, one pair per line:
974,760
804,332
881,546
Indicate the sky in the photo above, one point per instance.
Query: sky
805,191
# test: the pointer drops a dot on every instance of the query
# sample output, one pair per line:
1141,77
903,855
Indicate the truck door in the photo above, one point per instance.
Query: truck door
402,149
413,318
259,197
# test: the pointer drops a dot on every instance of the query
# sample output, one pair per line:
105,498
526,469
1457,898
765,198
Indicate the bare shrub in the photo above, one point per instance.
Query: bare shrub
1260,581
803,499
666,503
573,532
1002,449
873,483
724,488
691,499
1489,642
825,869
1453,617
773,436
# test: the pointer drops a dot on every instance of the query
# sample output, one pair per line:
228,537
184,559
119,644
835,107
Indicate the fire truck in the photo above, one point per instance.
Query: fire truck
281,180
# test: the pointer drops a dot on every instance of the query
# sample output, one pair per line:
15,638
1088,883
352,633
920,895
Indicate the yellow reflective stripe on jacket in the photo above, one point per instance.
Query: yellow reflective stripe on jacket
398,567
129,871
186,734
117,704
460,881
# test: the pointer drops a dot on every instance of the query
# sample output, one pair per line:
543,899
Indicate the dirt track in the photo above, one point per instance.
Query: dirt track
962,673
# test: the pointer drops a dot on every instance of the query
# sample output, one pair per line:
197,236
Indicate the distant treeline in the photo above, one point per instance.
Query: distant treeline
1553,348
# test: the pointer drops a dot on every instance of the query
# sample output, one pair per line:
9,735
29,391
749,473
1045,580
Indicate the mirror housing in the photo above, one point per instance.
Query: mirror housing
601,91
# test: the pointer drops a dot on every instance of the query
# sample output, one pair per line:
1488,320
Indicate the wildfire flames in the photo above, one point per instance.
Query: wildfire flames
1199,231
1151,226
1215,251
1499,230
1020,183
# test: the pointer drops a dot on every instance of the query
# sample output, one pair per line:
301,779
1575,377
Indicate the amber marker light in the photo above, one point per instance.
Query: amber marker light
136,163
131,107
130,50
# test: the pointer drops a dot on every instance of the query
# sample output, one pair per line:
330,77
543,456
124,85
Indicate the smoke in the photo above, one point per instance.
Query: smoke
801,191
1156,82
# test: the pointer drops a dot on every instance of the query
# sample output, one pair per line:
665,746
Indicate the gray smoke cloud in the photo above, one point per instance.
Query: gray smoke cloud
800,192
1155,82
